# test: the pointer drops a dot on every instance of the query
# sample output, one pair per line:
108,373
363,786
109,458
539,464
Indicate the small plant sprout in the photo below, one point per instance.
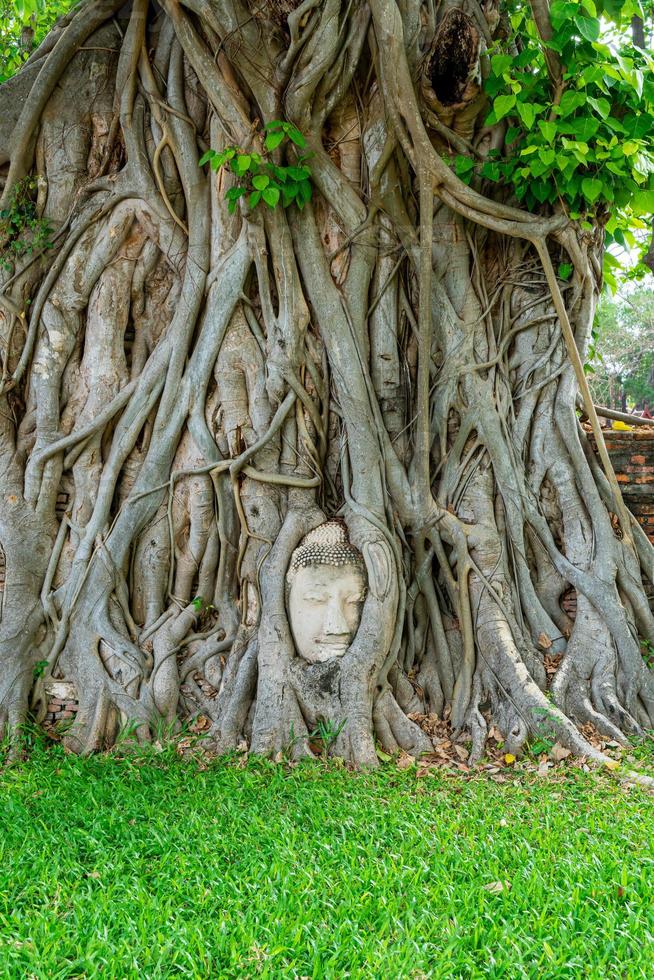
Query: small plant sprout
262,180
326,732
39,669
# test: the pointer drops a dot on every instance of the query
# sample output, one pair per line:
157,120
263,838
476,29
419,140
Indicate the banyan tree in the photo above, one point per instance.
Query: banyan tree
289,412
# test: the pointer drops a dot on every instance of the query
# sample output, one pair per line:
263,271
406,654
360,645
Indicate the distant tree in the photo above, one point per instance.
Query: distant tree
621,359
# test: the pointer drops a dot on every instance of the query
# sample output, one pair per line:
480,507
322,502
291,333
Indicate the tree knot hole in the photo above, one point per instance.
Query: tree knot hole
454,60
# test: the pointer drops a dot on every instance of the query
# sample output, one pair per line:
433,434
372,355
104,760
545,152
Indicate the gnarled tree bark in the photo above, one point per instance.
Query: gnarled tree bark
200,389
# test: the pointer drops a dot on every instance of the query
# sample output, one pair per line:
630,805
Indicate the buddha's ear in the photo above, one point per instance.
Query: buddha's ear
379,566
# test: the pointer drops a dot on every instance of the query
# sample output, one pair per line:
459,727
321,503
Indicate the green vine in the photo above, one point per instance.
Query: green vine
22,231
262,180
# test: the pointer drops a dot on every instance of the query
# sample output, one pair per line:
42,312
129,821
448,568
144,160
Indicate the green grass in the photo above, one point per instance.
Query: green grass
153,867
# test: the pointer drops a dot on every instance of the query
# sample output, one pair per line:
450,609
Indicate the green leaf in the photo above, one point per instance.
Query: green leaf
280,174
304,191
295,135
260,182
464,167
537,168
271,196
643,202
561,11
592,187
575,146
273,125
527,112
254,198
583,128
463,164
289,192
548,129
603,106
542,191
565,271
273,140
570,101
588,27
39,668
491,171
500,63
502,105
206,157
241,164
298,173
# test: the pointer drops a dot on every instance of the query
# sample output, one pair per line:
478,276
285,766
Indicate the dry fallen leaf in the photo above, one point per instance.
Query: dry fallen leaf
405,761
558,752
496,887
544,641
612,764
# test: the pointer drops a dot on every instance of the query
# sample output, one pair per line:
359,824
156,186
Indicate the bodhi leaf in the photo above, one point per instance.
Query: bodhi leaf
592,188
271,196
503,105
588,27
527,112
273,140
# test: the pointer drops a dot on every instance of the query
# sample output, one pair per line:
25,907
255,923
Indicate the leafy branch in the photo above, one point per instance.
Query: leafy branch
260,178
22,231
585,142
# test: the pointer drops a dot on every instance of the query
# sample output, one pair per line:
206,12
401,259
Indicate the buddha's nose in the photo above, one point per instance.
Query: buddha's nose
335,622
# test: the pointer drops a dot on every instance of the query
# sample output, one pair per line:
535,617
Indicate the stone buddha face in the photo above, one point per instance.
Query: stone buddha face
326,591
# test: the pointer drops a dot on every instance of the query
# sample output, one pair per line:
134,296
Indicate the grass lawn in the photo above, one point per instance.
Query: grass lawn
154,867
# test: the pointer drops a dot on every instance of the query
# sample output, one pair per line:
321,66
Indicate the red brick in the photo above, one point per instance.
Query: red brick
638,458
622,478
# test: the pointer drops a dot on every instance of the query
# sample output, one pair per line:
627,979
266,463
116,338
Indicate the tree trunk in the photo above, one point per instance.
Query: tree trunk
187,392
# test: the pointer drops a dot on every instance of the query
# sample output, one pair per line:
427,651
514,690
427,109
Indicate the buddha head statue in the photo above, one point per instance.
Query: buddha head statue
326,587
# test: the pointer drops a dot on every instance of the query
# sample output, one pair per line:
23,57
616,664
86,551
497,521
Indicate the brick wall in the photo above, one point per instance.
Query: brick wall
632,455
62,703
